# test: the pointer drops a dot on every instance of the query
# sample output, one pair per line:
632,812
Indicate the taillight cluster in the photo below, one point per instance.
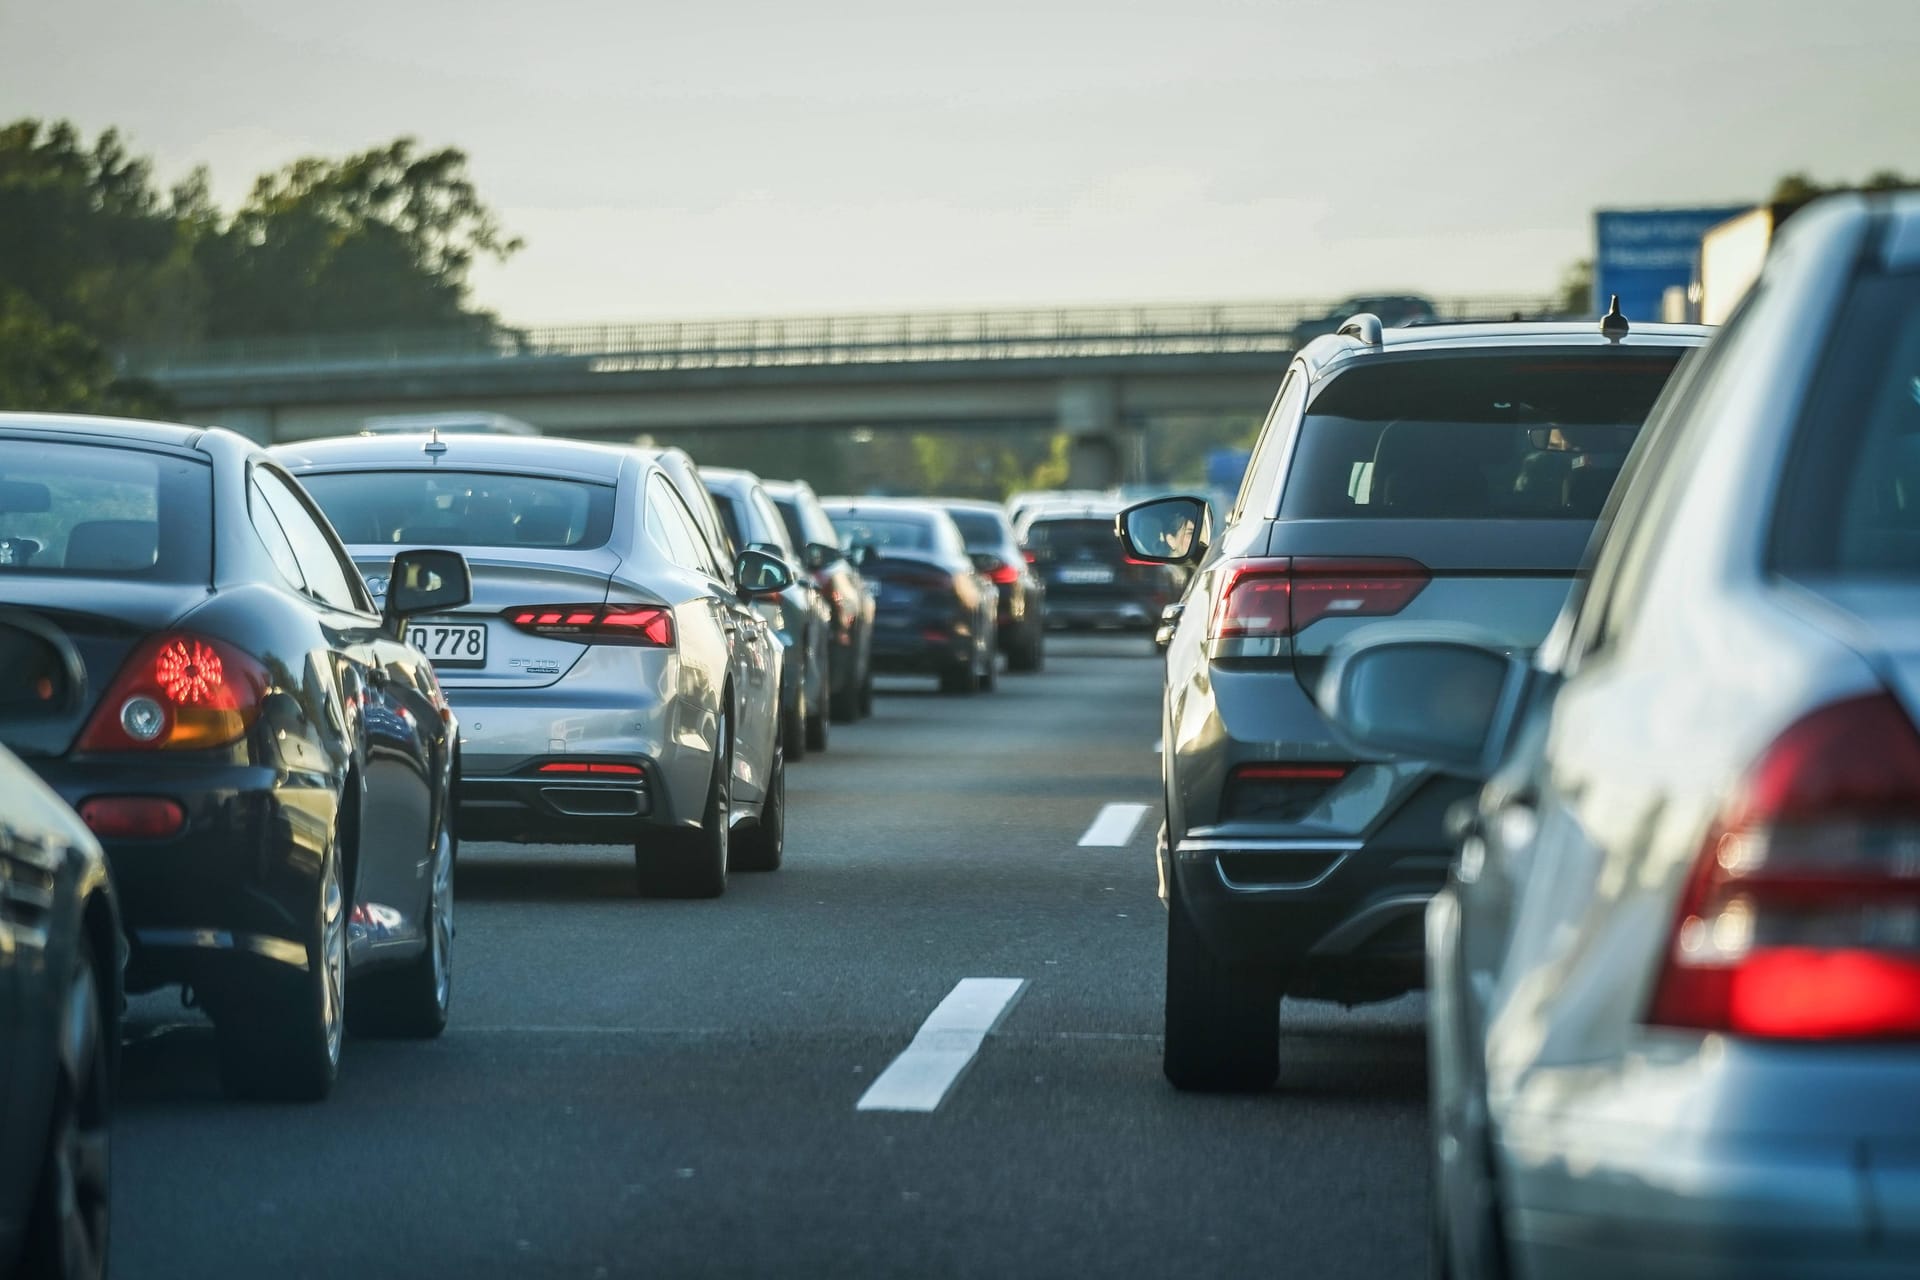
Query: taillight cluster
1272,598
1801,918
1004,574
630,624
178,692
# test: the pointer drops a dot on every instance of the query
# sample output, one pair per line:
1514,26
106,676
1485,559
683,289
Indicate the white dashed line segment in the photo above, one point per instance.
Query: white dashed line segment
1114,827
944,1047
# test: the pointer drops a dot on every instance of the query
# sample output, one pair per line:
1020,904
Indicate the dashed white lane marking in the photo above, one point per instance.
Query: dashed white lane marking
1114,827
944,1047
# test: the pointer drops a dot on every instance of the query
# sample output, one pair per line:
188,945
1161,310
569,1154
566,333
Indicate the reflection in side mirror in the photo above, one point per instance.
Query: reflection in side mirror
425,581
760,574
984,562
819,556
40,670
1165,530
1439,700
860,555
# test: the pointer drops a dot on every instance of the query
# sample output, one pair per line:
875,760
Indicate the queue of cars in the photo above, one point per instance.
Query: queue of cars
1649,834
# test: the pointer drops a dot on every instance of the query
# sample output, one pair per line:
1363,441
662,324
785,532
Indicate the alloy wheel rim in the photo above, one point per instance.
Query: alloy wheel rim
333,959
442,937
81,1151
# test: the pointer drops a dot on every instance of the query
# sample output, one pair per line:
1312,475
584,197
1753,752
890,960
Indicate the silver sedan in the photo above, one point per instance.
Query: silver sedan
613,683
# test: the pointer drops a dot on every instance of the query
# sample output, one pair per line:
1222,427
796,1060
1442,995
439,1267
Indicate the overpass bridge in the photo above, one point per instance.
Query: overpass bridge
1100,374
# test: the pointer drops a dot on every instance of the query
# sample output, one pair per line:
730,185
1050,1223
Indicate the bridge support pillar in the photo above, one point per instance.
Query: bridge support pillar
1101,450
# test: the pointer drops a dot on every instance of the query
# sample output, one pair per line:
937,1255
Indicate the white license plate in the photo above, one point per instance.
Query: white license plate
1081,575
450,644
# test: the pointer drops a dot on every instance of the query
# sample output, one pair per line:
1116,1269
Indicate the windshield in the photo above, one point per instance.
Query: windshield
981,529
884,532
464,509
1085,538
105,511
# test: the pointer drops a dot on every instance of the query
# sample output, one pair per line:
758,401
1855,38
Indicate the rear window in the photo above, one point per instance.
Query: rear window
882,532
1507,437
981,529
1851,506
1076,537
464,509
104,511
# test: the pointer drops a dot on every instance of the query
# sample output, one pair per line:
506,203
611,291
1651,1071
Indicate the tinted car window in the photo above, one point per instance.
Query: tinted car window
1851,506
274,538
884,532
464,509
981,529
730,518
329,577
104,511
1075,538
768,523
1539,436
1256,487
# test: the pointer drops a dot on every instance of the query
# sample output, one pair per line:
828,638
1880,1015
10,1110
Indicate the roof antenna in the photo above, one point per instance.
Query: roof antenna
1614,325
434,443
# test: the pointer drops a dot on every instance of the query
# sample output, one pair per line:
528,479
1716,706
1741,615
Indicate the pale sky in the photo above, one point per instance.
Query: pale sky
727,157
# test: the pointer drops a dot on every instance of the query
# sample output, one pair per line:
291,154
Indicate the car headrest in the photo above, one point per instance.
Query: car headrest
109,545
544,526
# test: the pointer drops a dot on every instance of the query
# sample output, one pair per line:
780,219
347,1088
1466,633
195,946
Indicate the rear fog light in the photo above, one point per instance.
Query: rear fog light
133,817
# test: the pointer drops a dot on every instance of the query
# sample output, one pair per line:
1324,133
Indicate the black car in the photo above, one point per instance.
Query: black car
60,956
934,612
1090,580
849,657
1023,597
1392,310
267,764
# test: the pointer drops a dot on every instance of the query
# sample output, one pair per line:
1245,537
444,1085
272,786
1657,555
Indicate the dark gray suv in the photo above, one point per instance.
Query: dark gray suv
1433,479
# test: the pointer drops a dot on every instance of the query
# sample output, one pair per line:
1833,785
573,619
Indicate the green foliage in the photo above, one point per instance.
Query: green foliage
54,366
1575,295
1796,188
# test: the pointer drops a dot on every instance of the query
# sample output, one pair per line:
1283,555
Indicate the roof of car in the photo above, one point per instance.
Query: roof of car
545,454
175,434
1324,352
729,477
884,506
969,504
784,490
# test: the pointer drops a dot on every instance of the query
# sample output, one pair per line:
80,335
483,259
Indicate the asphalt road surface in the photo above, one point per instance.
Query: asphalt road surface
675,1089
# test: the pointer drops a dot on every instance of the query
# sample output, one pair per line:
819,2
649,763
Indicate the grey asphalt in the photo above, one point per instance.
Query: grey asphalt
668,1089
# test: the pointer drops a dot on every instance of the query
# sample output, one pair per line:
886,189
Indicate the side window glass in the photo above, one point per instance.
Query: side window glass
273,537
774,530
321,564
1257,496
814,521
700,555
673,528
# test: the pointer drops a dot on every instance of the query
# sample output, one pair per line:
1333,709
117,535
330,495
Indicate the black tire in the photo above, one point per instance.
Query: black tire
67,1225
866,691
411,1002
961,681
817,723
990,676
1223,1032
692,863
761,846
845,703
793,727
281,1042
1024,653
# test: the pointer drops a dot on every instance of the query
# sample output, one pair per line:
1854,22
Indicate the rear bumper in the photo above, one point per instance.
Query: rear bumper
562,809
1066,609
920,649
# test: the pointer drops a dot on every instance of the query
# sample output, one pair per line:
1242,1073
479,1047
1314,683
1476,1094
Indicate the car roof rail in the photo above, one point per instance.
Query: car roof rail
1365,326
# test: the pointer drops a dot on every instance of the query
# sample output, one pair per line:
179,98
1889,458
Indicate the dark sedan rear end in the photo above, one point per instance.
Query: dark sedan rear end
1090,581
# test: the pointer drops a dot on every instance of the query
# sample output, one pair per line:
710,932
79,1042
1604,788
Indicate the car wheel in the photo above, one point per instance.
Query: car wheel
285,1044
411,1002
960,681
816,725
680,863
1223,1032
66,1232
760,846
990,677
793,727
1025,653
866,692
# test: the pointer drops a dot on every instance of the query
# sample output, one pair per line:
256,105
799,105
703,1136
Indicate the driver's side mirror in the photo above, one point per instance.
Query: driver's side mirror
818,555
1444,700
1166,530
984,562
761,574
860,555
425,581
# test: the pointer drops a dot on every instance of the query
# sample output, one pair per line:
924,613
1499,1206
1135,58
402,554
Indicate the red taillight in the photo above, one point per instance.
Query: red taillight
1283,597
597,623
1033,557
178,692
577,767
133,817
1801,919
1290,772
1005,574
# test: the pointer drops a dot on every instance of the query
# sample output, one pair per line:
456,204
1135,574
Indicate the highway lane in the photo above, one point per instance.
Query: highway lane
633,1087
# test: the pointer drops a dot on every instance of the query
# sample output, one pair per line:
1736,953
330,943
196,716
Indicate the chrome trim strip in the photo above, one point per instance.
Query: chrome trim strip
1265,844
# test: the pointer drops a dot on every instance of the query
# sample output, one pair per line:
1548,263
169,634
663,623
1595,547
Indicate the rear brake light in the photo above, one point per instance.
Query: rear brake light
1285,596
1005,574
1290,772
632,624
178,692
1801,918
133,817
578,767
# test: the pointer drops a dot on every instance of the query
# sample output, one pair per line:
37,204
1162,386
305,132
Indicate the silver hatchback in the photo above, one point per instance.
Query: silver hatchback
613,683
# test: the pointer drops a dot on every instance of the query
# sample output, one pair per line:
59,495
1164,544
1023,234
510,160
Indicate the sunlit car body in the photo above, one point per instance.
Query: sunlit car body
1405,478
849,665
799,615
1022,617
60,954
268,766
1675,1022
934,612
1089,579
613,685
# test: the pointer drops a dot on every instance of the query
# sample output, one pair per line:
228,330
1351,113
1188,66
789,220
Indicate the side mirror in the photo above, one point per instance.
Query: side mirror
425,581
40,670
984,562
1165,530
760,574
818,555
860,555
1443,700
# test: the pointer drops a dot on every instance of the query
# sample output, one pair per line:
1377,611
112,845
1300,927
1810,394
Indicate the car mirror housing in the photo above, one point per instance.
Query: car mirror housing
1165,530
984,561
1439,698
760,574
819,555
41,673
425,581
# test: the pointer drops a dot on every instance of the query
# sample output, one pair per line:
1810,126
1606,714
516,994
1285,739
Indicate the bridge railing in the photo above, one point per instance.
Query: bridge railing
1071,332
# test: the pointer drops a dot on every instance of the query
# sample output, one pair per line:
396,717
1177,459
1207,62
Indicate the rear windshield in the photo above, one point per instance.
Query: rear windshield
104,511
1851,506
1065,539
981,529
1502,437
882,532
464,509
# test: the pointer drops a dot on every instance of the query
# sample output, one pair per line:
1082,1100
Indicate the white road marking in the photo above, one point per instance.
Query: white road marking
920,1078
1114,827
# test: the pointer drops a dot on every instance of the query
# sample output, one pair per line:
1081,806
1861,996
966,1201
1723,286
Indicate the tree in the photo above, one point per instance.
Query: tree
1575,296
53,366
1797,188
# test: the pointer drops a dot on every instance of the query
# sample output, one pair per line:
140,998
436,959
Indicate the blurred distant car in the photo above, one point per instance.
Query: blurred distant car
457,423
799,615
1090,580
1675,973
60,955
1393,310
1022,619
613,681
934,611
1406,479
850,665
1020,504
